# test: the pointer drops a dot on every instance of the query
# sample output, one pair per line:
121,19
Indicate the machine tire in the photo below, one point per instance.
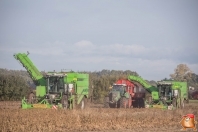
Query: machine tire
112,105
64,102
130,103
174,102
141,103
106,102
31,98
187,101
124,102
82,104
182,104
149,100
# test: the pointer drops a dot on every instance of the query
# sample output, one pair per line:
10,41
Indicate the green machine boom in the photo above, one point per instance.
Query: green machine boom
167,94
55,89
151,89
36,76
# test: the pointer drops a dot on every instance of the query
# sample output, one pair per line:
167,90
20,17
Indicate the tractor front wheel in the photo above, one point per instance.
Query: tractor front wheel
106,102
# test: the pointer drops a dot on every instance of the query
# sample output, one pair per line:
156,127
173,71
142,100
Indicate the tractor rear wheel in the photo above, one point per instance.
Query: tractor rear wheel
124,102
64,102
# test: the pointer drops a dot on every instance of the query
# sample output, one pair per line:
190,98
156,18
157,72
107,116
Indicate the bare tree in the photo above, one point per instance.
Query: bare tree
182,73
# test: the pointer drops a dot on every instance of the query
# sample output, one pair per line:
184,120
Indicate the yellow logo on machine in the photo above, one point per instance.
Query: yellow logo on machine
40,106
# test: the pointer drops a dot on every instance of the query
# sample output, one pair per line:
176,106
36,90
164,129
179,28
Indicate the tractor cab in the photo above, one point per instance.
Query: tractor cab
55,85
55,82
120,88
115,94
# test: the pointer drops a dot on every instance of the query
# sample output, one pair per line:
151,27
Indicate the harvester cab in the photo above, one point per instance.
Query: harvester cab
55,86
171,95
165,92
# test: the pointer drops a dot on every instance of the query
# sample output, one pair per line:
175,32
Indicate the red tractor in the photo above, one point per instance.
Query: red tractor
125,94
120,95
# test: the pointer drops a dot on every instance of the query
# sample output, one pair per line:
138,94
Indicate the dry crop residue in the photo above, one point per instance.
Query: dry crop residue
93,119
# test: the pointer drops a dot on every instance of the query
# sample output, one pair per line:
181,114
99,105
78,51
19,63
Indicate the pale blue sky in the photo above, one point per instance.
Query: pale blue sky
149,37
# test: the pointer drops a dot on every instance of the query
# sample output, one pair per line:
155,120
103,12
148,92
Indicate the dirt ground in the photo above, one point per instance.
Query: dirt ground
93,119
10,104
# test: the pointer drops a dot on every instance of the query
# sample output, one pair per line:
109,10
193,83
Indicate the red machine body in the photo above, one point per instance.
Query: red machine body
129,88
137,93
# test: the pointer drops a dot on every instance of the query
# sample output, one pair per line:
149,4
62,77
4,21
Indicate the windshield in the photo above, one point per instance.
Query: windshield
165,90
120,88
55,84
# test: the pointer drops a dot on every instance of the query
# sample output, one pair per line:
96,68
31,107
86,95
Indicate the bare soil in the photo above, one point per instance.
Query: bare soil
10,104
93,119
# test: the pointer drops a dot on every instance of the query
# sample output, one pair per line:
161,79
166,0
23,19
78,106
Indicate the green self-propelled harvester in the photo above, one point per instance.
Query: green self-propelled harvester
167,94
55,89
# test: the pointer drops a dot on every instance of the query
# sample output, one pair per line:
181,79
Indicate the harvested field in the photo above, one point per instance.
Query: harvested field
10,104
93,119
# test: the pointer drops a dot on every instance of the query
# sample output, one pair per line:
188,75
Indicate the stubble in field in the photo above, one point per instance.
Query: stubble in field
92,119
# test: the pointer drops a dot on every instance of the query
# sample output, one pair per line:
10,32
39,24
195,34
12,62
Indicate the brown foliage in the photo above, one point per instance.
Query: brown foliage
182,73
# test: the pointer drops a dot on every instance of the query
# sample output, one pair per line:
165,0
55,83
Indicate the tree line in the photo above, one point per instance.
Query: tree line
13,87
15,84
101,81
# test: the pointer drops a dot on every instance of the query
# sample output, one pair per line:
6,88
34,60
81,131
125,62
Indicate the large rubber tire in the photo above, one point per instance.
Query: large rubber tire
174,102
124,102
106,102
187,101
150,100
64,102
31,98
141,103
112,105
82,104
130,103
182,104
